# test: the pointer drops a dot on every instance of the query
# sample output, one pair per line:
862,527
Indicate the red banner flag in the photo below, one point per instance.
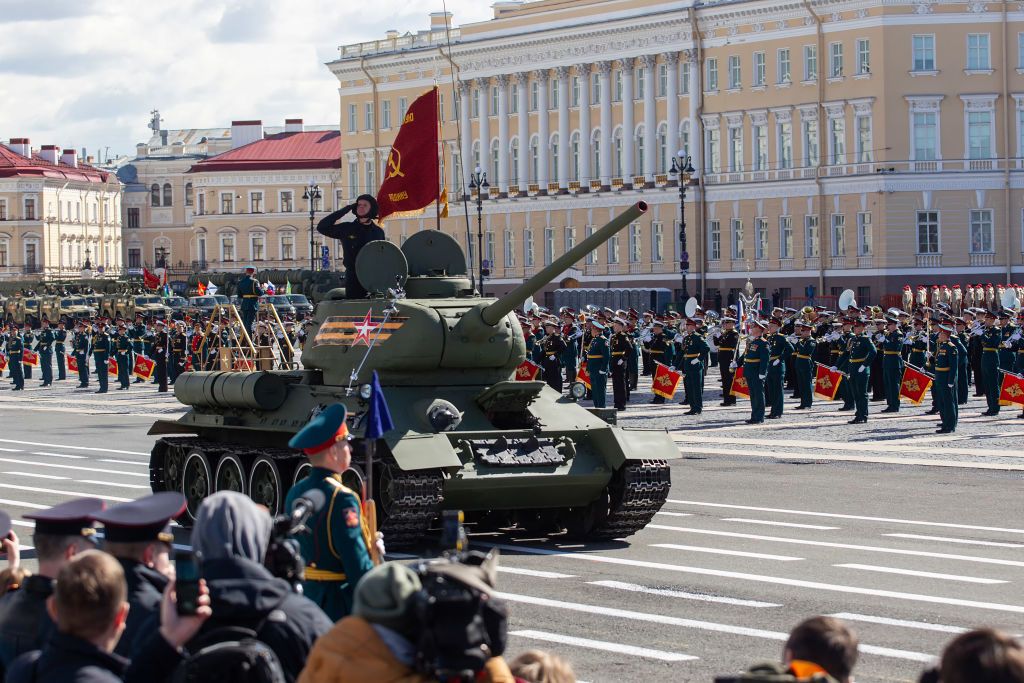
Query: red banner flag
3,362
112,367
1012,391
150,280
527,371
72,363
583,375
411,175
666,381
143,367
739,385
915,385
826,382
30,358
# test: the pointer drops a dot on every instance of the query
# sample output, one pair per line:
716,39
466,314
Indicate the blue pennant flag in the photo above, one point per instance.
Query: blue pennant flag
378,417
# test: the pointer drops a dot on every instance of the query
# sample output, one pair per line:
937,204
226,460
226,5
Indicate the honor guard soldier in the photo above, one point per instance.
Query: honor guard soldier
780,350
552,347
123,348
60,337
755,370
598,358
44,347
963,374
15,349
947,365
892,364
621,346
249,293
138,533
137,335
991,338
27,339
61,532
337,547
845,388
803,364
860,352
657,348
101,354
692,358
161,342
728,344
80,349
179,353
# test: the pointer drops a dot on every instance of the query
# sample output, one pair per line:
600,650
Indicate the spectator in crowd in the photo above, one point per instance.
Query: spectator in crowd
13,575
822,645
982,655
378,642
537,666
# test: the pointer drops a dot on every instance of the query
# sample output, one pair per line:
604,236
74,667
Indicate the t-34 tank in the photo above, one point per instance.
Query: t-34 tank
467,436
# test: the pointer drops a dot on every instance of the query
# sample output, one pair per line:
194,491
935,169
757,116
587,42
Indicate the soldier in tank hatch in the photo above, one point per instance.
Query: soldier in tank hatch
354,235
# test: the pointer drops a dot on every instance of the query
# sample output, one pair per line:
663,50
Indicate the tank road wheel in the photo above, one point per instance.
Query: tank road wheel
636,492
230,475
195,481
265,484
301,472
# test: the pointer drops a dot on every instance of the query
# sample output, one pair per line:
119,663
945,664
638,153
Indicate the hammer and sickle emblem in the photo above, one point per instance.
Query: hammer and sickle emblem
395,164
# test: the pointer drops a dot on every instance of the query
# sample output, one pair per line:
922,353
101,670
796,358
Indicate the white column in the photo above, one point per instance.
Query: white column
563,126
696,132
503,175
483,86
524,130
650,119
628,123
467,136
604,70
672,109
583,73
543,129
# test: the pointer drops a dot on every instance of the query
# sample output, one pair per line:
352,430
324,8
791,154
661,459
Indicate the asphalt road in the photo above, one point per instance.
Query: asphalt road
765,526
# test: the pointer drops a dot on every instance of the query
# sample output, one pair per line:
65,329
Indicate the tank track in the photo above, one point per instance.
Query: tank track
636,493
414,501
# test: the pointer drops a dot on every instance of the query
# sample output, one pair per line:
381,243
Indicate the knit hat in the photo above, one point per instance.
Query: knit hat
384,597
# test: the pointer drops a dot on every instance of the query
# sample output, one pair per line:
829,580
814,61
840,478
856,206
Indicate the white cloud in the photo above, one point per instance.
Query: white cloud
86,74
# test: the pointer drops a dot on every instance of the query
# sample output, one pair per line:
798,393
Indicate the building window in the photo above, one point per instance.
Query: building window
785,237
370,172
385,114
534,159
835,60
837,132
635,245
201,206
227,203
510,249
760,70
785,145
638,145
925,136
474,103
735,73
188,195
811,236
494,101
592,255
617,151
864,152
495,151
595,88
403,106
981,232
227,247
574,152
513,99
554,157
534,95
288,246
258,246
549,246
759,133
617,92
1020,50
714,240
3,209
595,163
255,202
838,234
528,248
784,65
133,218
570,238
863,56
513,162
134,257
711,66
353,179
339,197
924,52
641,83
657,242
575,91
713,160
154,197
927,232
810,62
979,135
555,88
684,78
812,155
736,149
864,236
662,159
760,238
978,56
737,239
353,115
662,80
287,201
613,249
368,116
488,251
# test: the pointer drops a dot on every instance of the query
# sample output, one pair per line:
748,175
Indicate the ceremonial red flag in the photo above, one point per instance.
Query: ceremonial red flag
1012,392
72,363
3,362
150,280
915,385
411,175
583,375
30,358
666,381
112,367
826,382
527,371
739,385
143,368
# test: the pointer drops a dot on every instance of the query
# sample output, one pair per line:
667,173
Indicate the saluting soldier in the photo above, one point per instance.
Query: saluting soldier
946,368
552,346
755,370
101,354
60,337
728,344
80,348
621,347
991,338
657,347
692,358
860,353
337,548
44,347
892,364
598,358
803,364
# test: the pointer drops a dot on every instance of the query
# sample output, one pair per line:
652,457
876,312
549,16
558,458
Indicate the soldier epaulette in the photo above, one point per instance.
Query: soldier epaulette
341,487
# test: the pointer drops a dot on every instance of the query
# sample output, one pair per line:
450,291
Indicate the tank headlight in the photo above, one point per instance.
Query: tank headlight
365,392
578,390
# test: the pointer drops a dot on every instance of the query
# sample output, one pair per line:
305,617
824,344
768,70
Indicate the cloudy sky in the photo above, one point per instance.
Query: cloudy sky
86,73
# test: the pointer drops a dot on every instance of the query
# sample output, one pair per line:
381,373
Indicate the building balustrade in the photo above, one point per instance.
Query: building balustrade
929,260
983,259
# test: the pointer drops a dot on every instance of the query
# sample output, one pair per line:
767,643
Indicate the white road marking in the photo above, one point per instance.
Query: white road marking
914,572
844,546
136,463
59,455
675,514
873,446
16,461
886,621
23,504
535,572
73,494
736,553
785,524
11,450
36,475
683,595
618,648
831,456
74,448
694,624
963,541
115,484
864,518
761,578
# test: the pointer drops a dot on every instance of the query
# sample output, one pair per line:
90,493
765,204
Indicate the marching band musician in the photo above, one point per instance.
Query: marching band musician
692,358
571,333
551,361
780,350
860,351
621,347
803,355
755,369
728,346
991,338
892,365
877,366
657,350
946,368
963,369
598,357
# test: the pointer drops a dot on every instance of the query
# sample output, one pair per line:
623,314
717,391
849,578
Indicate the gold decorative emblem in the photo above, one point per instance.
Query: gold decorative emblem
665,381
394,164
1014,391
912,386
741,382
825,382
523,372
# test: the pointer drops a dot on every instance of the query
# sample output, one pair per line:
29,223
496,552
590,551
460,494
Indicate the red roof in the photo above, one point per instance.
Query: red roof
13,164
283,151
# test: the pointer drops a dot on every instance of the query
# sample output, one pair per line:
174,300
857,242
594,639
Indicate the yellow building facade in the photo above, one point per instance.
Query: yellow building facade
837,144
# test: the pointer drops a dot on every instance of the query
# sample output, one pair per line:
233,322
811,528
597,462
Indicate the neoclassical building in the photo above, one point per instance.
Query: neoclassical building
837,143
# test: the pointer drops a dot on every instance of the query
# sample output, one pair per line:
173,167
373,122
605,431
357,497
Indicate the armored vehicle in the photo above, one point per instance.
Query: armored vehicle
33,309
127,306
466,435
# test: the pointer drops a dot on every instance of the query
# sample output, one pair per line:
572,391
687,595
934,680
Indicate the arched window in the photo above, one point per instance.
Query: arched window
617,152
554,158
167,194
494,161
514,160
574,152
684,136
476,155
638,145
663,160
534,159
595,145
154,195
188,194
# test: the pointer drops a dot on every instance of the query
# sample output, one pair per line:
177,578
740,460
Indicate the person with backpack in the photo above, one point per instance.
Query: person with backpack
818,650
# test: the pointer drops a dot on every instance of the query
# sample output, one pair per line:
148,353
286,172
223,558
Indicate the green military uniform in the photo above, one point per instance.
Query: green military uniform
803,355
657,349
990,341
26,340
15,347
860,352
692,354
125,361
892,369
60,338
101,354
946,368
249,292
80,348
780,350
44,347
755,369
598,359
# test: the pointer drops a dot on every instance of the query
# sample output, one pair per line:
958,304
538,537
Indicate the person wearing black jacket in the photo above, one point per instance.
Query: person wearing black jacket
353,235
160,351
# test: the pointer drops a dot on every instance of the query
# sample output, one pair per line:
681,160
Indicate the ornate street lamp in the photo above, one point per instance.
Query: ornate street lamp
682,170
311,194
478,182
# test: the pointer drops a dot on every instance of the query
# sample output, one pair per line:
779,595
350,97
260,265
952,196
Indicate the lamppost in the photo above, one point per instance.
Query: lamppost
682,170
87,266
311,194
478,182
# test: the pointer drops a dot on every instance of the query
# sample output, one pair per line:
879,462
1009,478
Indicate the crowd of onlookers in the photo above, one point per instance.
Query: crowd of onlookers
90,616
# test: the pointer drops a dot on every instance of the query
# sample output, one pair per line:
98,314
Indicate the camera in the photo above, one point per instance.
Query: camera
284,559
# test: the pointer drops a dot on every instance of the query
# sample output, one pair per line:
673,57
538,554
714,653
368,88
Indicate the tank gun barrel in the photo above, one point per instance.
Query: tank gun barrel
493,314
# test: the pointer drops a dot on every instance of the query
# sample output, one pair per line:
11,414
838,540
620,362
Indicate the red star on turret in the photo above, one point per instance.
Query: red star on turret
364,329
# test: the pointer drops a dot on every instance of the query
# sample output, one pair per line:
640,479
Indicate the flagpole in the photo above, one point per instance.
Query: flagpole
440,160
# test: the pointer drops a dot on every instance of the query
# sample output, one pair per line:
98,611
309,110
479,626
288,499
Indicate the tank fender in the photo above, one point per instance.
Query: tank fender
618,445
423,451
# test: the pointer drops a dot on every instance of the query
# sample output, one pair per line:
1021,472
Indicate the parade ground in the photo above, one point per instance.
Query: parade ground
909,536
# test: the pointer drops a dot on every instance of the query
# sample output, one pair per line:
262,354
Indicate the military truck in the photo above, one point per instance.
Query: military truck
33,309
127,306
